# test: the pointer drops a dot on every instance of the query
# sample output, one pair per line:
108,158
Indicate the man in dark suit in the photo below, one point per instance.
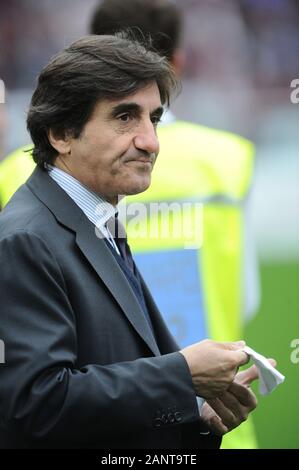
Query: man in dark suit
89,361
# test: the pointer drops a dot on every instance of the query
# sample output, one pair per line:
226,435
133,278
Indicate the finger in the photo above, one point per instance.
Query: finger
240,357
246,377
213,421
238,412
272,362
243,394
217,427
228,418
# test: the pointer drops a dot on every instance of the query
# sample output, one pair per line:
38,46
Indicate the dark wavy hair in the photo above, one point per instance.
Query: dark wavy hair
91,69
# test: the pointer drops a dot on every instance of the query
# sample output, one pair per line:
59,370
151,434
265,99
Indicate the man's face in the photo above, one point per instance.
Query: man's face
117,149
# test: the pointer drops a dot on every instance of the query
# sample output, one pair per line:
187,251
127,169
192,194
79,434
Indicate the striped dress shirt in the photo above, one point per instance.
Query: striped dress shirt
96,209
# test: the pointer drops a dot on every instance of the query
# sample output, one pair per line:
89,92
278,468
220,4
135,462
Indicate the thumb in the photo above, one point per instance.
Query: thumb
241,357
246,377
272,362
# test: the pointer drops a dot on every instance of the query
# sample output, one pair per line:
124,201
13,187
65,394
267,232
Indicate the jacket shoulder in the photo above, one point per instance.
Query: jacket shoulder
24,212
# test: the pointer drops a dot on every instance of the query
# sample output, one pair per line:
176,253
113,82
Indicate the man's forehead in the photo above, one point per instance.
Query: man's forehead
147,97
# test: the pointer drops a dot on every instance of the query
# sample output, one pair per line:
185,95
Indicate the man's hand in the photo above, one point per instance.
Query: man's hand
232,407
213,365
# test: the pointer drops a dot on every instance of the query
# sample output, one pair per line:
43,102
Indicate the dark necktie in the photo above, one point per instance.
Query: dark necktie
118,232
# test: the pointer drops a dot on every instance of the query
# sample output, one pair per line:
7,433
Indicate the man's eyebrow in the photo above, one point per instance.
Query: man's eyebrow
124,108
133,107
158,111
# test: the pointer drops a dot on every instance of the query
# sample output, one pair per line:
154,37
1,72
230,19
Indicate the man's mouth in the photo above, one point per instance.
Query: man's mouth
141,160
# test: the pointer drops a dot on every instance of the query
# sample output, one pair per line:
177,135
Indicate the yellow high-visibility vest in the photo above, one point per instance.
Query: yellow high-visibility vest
15,169
189,241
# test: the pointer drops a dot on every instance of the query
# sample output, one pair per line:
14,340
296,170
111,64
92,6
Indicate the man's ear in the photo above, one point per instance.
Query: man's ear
60,142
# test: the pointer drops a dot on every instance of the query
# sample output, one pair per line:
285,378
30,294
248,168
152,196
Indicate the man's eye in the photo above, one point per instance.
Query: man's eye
124,117
156,120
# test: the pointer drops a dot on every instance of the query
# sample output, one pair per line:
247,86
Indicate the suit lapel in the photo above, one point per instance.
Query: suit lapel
94,249
104,263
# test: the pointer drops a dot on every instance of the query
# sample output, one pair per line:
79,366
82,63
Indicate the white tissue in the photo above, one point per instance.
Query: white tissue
268,375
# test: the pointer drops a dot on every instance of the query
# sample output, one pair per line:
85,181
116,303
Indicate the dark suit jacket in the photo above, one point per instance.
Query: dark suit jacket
83,367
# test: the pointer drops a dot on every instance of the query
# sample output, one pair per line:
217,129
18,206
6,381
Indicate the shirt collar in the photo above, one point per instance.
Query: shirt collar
96,208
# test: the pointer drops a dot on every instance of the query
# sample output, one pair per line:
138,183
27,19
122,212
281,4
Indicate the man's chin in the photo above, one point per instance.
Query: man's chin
139,188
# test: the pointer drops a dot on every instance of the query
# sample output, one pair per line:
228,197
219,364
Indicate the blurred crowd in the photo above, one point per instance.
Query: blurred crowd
239,53
258,39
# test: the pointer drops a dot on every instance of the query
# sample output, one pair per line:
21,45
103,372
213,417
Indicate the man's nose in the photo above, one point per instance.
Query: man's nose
147,139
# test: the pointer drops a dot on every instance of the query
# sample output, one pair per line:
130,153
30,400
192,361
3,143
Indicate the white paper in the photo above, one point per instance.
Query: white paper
269,377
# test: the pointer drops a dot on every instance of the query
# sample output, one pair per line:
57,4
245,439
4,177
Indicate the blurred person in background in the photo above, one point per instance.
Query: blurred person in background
274,37
215,269
14,171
